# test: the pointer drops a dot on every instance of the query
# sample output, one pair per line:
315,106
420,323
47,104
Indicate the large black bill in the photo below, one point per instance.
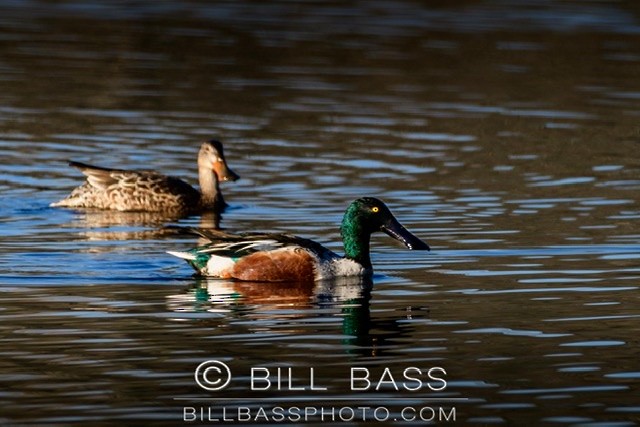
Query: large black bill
396,230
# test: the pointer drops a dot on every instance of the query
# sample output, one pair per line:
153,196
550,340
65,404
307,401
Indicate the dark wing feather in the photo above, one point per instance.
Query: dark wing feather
97,176
237,245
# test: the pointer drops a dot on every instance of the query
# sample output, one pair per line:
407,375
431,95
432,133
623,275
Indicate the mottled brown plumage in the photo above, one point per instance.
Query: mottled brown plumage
125,190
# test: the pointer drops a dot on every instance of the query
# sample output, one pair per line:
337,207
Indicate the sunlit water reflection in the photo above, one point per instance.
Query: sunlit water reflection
503,134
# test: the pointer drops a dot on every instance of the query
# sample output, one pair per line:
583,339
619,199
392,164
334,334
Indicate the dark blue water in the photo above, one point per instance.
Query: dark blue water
503,133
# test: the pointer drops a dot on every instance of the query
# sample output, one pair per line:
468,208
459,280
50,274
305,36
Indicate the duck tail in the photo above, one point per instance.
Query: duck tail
184,255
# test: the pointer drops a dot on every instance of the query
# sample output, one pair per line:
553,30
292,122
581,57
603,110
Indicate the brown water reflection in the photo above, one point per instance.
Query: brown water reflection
505,133
115,225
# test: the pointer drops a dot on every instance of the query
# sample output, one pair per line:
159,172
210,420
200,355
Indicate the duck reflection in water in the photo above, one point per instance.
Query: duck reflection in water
212,293
346,297
100,225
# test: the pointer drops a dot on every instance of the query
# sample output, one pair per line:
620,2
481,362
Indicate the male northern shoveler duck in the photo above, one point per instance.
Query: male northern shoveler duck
285,257
149,191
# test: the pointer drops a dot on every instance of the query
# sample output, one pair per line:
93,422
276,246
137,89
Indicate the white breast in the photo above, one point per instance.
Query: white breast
217,265
339,267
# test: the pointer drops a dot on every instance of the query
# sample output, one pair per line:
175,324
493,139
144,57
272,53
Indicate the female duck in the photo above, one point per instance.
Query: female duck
284,257
149,191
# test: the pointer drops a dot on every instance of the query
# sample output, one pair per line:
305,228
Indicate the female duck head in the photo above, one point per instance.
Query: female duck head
212,168
363,217
211,157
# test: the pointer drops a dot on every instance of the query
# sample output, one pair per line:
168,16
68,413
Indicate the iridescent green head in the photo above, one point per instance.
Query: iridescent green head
365,216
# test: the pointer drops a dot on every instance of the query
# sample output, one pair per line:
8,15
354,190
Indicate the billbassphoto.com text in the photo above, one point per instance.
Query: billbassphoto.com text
295,414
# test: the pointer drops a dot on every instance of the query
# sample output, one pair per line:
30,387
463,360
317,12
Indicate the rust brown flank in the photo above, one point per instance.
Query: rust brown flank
276,266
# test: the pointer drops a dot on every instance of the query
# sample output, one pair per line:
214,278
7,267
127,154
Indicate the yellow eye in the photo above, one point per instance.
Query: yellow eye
375,209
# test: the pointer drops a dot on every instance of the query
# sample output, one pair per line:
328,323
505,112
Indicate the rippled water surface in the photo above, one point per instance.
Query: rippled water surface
504,133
